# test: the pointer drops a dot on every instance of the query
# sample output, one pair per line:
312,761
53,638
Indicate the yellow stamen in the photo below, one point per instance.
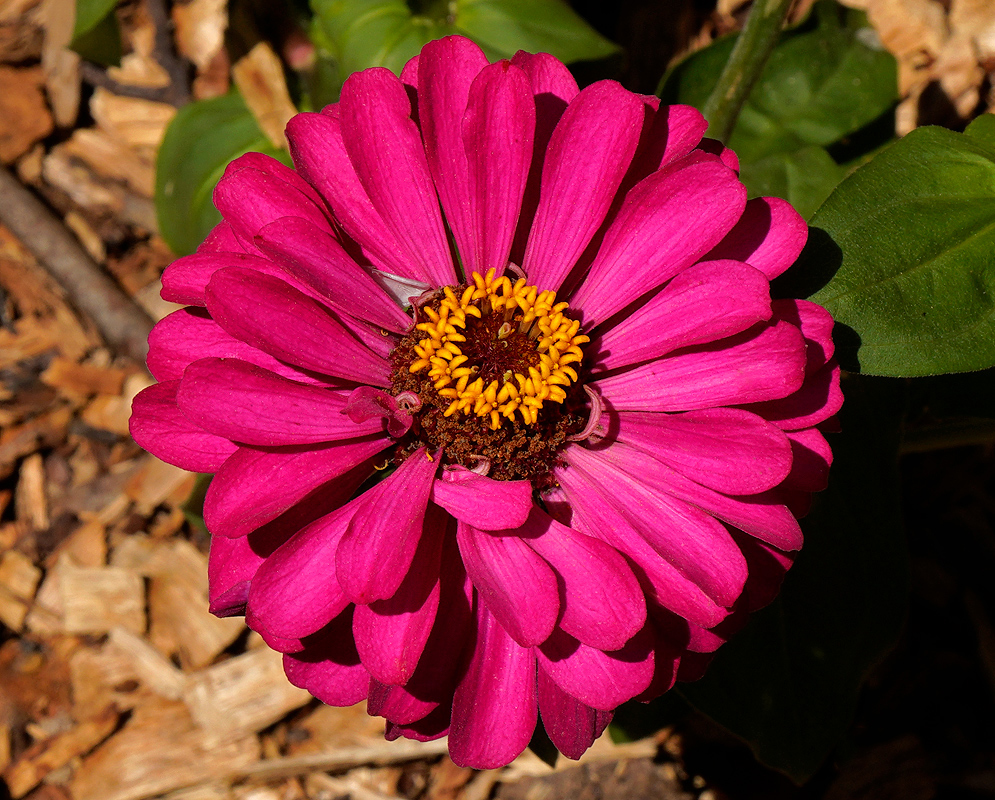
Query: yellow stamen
525,310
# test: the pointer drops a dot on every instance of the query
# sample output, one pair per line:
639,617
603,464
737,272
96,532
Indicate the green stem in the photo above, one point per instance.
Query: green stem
753,48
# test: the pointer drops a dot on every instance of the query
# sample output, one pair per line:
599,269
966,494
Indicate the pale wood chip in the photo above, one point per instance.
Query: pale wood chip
113,159
85,379
156,481
909,26
975,18
242,695
61,64
160,750
43,430
210,791
136,122
46,615
181,623
151,668
200,30
151,300
260,80
102,676
97,600
30,499
108,412
87,236
42,758
140,69
19,580
319,783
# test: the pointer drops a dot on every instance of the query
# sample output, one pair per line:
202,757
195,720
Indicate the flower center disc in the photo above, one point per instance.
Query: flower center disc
494,366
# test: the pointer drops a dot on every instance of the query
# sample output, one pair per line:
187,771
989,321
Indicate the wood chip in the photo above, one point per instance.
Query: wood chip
155,481
113,159
155,671
24,117
200,30
97,600
136,122
83,379
18,582
260,80
108,412
160,750
30,501
242,695
45,756
61,65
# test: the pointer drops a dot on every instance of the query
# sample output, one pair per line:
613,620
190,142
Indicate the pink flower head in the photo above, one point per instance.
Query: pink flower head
503,419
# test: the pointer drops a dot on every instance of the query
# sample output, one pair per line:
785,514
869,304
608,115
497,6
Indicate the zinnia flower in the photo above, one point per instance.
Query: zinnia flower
503,419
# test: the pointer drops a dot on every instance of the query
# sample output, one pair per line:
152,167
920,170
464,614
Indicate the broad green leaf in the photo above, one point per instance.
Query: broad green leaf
804,177
96,34
200,141
549,26
788,684
901,255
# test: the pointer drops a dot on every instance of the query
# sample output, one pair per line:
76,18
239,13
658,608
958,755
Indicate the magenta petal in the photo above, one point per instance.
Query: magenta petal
706,302
588,155
446,68
329,666
295,592
667,222
315,257
764,363
725,449
391,634
603,604
770,236
434,726
494,708
694,542
250,198
498,129
189,334
256,486
233,564
221,239
319,153
518,587
248,404
595,678
377,549
157,425
571,725
763,515
484,503
815,402
385,147
185,280
673,134
660,579
274,317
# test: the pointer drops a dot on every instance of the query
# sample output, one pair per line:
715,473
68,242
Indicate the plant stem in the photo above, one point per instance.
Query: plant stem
753,48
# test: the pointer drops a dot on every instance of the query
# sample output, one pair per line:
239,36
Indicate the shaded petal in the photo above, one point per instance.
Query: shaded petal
674,132
434,726
811,460
815,402
157,425
391,634
189,334
706,302
233,563
571,725
248,404
497,129
256,486
484,503
689,539
385,147
380,543
770,236
494,707
317,259
446,68
319,153
764,363
329,667
587,157
725,449
660,579
598,679
816,325
603,604
274,317
667,222
518,587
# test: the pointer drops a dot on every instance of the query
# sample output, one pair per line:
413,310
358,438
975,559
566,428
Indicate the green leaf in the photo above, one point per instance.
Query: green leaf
550,26
901,255
825,80
804,177
200,141
788,684
96,33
